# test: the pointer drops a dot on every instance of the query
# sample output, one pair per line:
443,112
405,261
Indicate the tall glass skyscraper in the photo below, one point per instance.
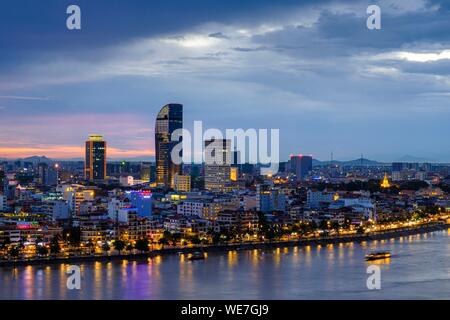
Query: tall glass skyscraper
95,162
170,118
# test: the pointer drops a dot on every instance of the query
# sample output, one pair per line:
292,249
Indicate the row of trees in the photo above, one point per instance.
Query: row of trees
15,251
141,245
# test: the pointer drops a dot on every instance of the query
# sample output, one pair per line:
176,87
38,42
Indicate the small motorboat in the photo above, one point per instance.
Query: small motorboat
378,255
197,256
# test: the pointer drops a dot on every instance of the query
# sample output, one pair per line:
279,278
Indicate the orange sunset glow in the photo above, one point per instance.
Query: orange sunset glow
67,152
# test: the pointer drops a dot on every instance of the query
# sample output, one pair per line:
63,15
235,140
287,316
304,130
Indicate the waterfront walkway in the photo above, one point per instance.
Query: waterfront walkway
378,235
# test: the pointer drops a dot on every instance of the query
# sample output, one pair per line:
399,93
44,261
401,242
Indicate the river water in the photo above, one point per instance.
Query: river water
418,269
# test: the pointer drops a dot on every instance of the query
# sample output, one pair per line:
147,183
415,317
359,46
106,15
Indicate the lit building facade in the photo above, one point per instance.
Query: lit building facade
234,174
169,119
182,183
76,196
147,172
95,161
204,209
269,199
126,181
141,201
217,164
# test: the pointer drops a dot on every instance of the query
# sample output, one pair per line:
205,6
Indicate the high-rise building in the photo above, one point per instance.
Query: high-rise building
217,164
5,187
169,119
147,171
76,196
2,181
182,183
142,201
124,167
401,166
47,175
301,166
3,202
95,162
236,158
42,173
60,210
269,199
55,174
247,168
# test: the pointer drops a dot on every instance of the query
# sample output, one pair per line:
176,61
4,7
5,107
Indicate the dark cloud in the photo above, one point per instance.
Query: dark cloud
309,80
37,25
241,49
202,58
218,35
349,30
441,67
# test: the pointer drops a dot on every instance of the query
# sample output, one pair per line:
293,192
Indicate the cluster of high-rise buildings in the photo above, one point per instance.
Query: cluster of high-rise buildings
123,199
220,170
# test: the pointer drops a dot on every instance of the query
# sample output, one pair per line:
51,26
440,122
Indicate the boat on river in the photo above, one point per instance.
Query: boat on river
378,255
197,256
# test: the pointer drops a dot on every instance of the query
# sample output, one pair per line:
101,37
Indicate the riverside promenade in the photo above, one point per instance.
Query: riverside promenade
354,238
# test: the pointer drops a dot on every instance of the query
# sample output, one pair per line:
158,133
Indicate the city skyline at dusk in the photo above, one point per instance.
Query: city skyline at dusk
224,159
349,91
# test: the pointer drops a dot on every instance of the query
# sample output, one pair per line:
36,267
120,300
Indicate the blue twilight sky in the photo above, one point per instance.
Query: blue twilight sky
310,68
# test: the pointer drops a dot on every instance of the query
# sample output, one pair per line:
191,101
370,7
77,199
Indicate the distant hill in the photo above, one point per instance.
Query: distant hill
44,159
413,159
356,162
131,159
134,159
70,159
37,159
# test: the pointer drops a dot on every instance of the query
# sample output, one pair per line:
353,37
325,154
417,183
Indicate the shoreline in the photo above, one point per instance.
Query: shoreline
391,234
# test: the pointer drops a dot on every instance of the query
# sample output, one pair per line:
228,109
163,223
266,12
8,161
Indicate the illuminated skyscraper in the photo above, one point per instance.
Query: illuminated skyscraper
170,118
95,162
217,164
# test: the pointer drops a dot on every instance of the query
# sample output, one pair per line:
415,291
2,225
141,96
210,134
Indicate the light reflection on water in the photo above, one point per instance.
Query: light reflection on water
418,268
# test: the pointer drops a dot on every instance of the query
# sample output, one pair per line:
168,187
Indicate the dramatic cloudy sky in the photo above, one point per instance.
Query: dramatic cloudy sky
310,68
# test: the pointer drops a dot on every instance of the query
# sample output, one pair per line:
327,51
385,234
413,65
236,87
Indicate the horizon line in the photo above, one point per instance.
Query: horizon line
152,158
